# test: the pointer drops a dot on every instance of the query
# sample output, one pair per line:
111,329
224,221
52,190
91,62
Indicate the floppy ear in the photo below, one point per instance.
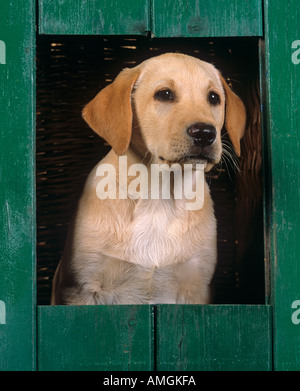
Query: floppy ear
109,114
235,117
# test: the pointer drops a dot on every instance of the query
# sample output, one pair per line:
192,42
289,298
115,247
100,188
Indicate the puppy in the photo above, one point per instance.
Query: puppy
168,110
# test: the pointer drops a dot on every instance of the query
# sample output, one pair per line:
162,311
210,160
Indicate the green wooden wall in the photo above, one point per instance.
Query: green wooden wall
130,17
161,18
214,338
163,337
95,338
202,18
282,77
260,337
17,181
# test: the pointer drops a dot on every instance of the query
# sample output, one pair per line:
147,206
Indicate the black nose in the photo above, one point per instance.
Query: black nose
202,134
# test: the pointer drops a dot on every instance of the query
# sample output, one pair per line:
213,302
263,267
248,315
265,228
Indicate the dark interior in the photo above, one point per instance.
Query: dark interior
70,71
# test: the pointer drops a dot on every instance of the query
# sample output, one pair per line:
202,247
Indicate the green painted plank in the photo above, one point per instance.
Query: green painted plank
214,337
283,119
17,178
106,17
267,174
202,18
95,338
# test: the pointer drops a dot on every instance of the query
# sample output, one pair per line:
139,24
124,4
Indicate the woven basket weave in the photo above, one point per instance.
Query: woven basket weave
70,71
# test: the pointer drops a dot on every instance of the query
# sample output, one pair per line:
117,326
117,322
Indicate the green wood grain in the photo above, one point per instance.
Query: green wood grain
214,337
283,120
95,338
202,18
130,17
17,185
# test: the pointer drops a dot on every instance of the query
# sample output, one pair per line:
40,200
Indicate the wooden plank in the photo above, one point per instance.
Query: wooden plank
202,18
214,337
283,123
267,175
17,178
94,17
95,338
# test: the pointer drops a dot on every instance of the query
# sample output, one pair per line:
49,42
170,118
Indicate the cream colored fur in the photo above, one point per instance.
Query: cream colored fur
127,251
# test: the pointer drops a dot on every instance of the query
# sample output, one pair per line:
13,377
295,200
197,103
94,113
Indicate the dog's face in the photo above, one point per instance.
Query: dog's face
180,104
180,109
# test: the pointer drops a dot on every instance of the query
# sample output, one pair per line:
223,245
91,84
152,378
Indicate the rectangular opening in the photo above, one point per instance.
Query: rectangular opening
71,70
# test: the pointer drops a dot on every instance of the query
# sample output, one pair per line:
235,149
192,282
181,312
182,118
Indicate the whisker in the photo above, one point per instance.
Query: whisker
145,157
227,169
208,177
230,79
229,156
232,162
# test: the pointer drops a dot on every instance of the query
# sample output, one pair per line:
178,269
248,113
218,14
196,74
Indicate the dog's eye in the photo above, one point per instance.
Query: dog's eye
165,95
214,98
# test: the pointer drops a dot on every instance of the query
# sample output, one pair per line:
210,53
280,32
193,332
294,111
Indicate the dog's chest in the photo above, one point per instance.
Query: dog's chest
157,235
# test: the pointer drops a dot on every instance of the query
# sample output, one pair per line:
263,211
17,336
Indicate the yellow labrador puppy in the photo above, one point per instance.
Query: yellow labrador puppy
129,249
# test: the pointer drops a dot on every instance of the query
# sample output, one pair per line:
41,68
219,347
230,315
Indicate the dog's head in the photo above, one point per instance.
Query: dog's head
180,104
